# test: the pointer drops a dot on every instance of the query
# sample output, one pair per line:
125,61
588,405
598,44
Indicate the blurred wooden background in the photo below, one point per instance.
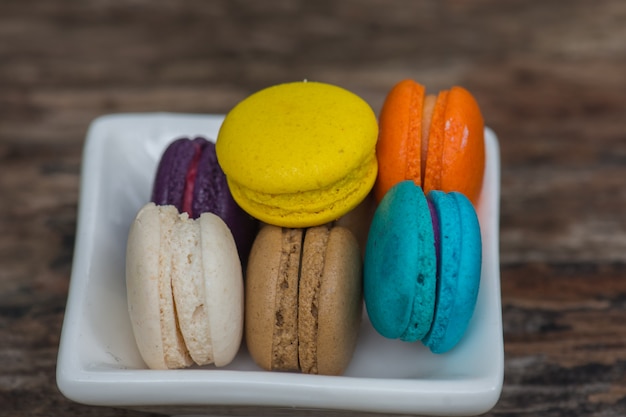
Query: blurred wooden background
550,77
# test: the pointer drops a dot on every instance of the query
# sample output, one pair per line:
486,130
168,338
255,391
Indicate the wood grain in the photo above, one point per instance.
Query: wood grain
550,80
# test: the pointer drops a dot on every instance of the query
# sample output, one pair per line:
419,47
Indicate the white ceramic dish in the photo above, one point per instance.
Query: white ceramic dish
98,361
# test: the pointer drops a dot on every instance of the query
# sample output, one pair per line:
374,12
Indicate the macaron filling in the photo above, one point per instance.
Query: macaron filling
285,336
433,169
427,114
436,231
190,179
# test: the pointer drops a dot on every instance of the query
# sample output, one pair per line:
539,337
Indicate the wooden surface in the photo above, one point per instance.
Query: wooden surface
550,77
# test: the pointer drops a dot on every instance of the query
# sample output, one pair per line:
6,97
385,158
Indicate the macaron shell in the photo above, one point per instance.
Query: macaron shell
469,272
456,149
207,285
447,213
260,295
329,301
464,151
436,143
400,265
340,303
150,306
223,287
399,142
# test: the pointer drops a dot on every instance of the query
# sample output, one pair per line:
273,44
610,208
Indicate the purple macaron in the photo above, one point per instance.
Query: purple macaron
190,178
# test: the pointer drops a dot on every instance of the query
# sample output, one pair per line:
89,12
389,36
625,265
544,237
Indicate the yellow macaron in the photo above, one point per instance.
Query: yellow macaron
299,154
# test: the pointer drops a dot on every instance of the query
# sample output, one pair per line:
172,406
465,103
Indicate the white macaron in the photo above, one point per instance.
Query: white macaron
184,287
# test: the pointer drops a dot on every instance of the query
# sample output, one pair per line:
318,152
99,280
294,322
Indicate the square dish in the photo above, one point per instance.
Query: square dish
99,364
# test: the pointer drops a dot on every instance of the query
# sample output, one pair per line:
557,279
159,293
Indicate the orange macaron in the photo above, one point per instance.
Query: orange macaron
436,141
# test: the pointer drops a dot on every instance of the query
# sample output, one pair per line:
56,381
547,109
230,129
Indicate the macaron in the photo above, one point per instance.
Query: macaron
299,154
303,299
422,266
189,178
400,272
184,288
436,141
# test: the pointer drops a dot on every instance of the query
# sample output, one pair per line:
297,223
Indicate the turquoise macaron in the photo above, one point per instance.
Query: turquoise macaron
400,265
422,266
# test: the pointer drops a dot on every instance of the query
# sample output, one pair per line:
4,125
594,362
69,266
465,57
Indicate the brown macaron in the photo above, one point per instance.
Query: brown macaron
303,299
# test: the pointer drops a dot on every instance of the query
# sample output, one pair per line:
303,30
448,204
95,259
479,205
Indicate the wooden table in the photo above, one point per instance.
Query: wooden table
550,77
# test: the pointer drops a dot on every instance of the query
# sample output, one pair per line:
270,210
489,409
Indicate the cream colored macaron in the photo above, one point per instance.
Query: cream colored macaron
184,288
299,154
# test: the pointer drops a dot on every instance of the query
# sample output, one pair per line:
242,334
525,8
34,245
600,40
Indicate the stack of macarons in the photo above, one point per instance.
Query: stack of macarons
298,156
304,199
184,260
424,254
